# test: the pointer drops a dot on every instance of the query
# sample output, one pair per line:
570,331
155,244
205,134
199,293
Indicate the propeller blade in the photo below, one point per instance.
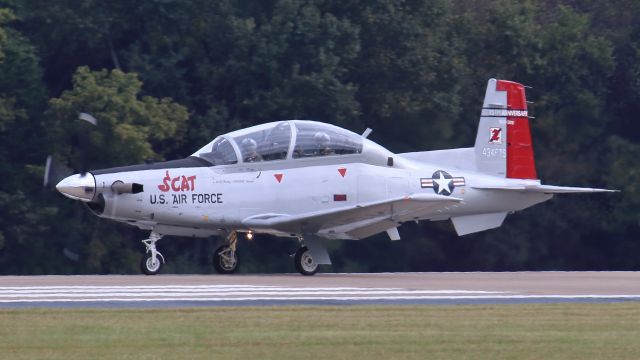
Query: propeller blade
88,118
55,171
83,141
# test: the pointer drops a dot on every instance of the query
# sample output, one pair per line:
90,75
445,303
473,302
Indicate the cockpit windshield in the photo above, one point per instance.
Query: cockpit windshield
265,144
273,141
221,152
318,139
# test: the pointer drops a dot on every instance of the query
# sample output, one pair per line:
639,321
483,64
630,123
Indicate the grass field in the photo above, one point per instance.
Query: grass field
550,331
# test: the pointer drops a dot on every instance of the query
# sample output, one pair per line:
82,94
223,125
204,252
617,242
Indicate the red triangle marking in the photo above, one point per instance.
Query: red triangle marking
342,171
278,177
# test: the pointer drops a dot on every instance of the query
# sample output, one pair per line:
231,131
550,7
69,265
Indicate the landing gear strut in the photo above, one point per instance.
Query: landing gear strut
225,260
152,261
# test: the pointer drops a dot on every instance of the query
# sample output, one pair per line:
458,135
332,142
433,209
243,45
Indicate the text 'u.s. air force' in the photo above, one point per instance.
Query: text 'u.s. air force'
178,185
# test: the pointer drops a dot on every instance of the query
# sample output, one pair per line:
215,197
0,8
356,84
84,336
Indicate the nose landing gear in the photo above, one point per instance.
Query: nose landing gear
152,261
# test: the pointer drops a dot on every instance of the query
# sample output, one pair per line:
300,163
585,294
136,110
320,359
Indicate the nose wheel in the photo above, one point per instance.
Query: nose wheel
304,262
150,265
152,261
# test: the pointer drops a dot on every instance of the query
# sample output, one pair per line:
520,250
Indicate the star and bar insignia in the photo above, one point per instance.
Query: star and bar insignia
441,182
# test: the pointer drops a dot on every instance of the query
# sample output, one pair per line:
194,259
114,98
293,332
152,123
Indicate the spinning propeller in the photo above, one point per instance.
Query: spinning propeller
56,170
78,184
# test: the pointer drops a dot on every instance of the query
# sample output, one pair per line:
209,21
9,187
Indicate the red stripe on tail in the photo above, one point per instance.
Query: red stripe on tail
520,160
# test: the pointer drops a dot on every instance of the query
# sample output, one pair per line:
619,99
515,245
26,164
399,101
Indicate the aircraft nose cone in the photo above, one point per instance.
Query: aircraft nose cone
78,187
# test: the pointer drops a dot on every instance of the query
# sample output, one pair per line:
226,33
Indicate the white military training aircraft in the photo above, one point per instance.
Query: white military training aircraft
315,181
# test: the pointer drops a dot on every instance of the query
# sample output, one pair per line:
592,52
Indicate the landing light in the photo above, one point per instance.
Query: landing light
249,235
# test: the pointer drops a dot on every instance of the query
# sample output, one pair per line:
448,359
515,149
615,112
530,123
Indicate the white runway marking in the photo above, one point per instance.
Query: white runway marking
211,293
214,288
337,298
252,294
172,291
544,298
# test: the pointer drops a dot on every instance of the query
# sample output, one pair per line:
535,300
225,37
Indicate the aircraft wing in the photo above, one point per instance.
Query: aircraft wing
547,189
356,221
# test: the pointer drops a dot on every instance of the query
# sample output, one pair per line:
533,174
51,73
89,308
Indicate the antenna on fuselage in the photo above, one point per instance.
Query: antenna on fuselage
366,133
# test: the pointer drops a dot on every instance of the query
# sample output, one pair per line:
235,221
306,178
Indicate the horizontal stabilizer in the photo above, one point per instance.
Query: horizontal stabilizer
546,189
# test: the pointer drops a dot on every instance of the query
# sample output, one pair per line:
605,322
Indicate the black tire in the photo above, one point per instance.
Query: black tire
304,262
225,265
148,267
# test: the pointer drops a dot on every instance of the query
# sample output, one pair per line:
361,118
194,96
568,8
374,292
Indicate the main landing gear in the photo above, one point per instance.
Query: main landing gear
225,260
304,262
312,253
152,261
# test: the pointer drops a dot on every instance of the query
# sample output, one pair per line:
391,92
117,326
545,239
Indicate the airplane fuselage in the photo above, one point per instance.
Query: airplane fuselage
316,181
203,201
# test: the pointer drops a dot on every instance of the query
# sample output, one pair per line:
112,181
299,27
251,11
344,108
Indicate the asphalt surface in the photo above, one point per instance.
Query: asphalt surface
321,289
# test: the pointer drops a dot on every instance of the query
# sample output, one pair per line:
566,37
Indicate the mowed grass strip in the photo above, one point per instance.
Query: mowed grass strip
547,331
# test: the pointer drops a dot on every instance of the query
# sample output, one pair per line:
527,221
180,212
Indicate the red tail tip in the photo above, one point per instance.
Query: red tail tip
520,159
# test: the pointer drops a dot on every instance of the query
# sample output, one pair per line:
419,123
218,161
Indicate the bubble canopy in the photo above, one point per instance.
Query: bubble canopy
282,140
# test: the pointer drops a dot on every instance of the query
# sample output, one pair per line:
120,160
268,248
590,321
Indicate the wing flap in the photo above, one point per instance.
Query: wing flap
546,189
354,221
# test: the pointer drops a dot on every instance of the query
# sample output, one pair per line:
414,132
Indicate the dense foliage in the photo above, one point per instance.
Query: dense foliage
166,76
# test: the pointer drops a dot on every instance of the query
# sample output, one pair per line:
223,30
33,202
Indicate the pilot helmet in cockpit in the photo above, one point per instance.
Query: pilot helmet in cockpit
323,141
250,150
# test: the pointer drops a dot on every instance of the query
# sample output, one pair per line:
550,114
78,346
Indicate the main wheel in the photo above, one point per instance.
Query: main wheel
149,265
304,262
225,260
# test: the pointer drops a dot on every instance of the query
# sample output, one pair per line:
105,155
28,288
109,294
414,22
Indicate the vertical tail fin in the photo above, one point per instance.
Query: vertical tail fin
503,142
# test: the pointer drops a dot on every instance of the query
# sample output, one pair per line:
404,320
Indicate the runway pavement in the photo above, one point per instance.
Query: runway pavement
321,289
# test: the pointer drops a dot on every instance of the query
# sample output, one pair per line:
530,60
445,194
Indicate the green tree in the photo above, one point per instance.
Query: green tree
414,71
130,129
138,127
5,16
24,216
291,64
407,68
